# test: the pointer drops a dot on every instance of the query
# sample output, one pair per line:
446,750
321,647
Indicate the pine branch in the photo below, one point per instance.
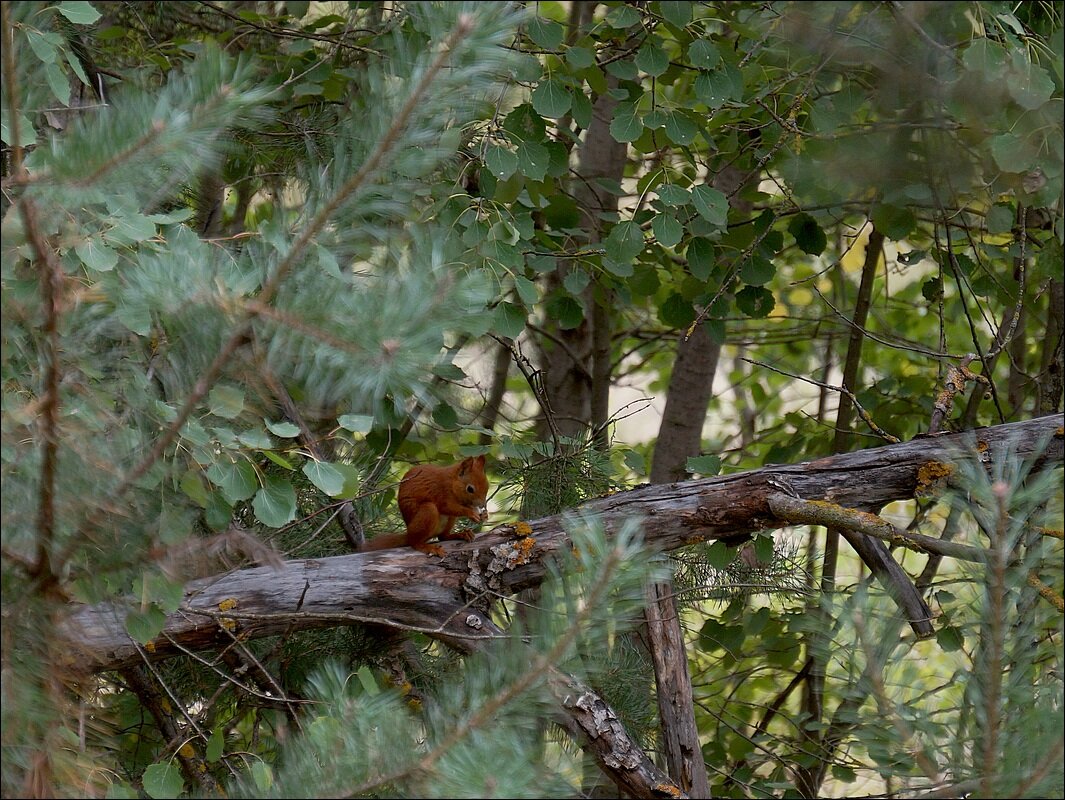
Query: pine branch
241,332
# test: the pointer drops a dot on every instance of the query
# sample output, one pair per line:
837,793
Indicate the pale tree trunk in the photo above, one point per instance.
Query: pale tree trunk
680,434
576,362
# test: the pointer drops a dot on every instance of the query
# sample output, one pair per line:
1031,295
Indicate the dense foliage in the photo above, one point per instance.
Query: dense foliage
258,258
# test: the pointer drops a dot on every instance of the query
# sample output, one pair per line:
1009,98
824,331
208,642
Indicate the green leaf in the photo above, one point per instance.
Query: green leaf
366,679
644,281
1000,218
356,423
58,83
932,289
551,98
545,32
446,370
703,465
192,485
44,45
636,462
701,258
582,110
620,269
626,125
576,280
667,230
894,222
78,12
719,555
132,226
500,161
716,635
524,124
680,129
256,439
143,626
703,54
527,291
262,775
237,480
764,547
711,204
508,320
655,119
27,133
950,638
215,745
533,160
757,270
808,234
567,310
624,242
676,14
651,57
76,66
286,430
673,195
562,212
120,790
676,312
580,57
226,401
95,255
325,476
1032,89
720,86
445,416
755,301
622,17
1010,153
525,67
275,502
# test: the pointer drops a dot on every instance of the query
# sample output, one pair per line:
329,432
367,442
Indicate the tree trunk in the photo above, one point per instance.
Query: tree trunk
1051,362
690,386
576,361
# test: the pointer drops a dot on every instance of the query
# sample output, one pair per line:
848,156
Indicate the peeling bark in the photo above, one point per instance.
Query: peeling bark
405,589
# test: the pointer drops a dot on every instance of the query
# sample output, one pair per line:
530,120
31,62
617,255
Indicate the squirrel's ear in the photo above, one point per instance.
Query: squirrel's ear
479,461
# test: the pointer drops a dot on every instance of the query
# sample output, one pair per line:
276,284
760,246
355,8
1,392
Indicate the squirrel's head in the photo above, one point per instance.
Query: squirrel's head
472,485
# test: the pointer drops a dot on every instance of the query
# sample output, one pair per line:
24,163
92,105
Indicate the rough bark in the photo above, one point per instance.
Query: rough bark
405,589
676,703
569,356
690,385
679,436
1052,359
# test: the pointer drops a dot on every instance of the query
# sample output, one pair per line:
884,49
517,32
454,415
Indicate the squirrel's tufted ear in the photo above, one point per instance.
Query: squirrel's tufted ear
471,463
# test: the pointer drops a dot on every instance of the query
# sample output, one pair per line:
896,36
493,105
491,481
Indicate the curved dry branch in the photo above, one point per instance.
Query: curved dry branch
405,589
443,598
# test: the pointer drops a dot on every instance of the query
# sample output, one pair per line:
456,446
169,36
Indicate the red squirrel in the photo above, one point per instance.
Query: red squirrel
431,499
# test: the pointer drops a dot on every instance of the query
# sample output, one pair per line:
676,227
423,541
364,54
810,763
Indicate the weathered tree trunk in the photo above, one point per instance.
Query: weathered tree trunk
403,588
576,361
679,436
1052,359
690,385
